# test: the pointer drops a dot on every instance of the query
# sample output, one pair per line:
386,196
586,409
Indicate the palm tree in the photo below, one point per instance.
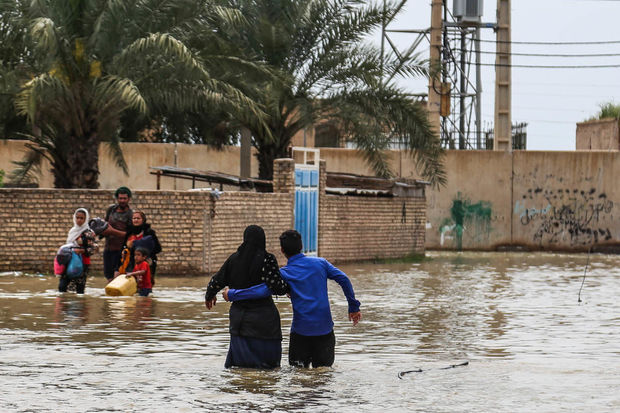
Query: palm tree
14,60
324,71
98,60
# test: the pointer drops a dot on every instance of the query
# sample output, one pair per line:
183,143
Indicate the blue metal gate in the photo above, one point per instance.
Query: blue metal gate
307,201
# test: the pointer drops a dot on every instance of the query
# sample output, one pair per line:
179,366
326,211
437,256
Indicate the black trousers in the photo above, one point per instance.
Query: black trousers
315,350
111,262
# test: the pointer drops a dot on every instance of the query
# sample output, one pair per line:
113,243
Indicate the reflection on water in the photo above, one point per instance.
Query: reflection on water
515,317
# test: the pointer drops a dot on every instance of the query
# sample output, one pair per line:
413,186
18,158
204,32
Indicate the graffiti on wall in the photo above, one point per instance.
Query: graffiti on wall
572,216
466,218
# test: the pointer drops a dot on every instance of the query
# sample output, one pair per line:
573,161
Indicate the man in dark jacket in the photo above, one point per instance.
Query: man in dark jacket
118,217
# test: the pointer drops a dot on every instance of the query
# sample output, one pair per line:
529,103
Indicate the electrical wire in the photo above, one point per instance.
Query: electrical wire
552,43
549,66
546,54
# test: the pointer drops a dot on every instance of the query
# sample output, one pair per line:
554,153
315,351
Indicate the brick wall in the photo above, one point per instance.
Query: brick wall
354,228
199,230
236,210
35,222
360,228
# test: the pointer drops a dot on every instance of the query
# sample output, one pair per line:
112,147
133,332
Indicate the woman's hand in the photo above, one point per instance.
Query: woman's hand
225,294
210,303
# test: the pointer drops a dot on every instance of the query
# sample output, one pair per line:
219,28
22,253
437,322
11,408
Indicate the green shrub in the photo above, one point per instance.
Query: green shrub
609,110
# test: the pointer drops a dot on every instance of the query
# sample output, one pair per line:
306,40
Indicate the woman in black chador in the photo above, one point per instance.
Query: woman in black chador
255,333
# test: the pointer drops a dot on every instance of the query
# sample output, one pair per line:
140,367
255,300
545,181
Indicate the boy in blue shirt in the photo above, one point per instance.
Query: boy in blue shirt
312,339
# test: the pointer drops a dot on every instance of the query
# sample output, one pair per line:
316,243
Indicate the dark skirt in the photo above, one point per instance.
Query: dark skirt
254,352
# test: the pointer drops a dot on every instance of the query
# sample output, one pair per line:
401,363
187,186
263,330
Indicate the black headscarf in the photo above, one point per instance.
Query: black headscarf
258,318
135,230
247,262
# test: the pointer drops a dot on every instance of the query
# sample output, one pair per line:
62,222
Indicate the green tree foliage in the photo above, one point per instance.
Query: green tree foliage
324,70
196,71
96,61
14,62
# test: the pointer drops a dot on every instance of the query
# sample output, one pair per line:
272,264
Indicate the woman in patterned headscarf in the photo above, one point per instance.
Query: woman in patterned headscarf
255,333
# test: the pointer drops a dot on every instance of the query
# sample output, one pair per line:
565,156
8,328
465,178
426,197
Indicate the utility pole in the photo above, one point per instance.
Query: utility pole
478,91
463,85
434,85
503,90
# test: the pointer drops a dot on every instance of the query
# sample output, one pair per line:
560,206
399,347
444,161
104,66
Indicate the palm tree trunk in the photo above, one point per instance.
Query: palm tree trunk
267,153
266,156
80,168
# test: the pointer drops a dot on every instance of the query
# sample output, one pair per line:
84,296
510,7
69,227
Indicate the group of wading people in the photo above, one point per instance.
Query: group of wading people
131,246
249,278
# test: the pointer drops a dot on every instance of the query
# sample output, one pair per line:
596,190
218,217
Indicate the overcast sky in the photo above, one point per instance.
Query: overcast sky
551,101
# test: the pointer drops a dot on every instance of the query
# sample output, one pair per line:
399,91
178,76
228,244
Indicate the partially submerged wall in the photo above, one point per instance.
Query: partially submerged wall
198,230
482,206
355,228
535,200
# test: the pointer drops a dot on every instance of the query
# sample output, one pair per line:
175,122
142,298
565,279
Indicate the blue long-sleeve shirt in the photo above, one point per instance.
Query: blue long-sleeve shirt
307,278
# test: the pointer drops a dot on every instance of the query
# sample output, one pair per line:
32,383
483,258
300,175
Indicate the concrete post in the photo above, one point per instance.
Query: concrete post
434,86
503,90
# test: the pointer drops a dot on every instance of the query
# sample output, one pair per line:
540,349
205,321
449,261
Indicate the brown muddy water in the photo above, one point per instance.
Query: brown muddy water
515,317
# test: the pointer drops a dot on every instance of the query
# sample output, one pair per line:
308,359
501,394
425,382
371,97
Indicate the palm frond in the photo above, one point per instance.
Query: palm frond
41,88
113,93
43,31
117,154
26,170
161,44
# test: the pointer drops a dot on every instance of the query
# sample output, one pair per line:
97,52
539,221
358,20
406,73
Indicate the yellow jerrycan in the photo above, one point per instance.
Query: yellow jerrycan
122,285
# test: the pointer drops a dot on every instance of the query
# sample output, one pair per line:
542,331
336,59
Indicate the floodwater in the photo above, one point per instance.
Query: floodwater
531,346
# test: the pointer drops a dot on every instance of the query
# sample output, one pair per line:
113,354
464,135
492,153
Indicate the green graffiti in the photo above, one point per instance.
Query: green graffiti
464,213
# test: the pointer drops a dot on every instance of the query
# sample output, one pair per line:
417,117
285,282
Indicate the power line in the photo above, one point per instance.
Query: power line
550,66
573,85
530,121
553,43
548,54
538,109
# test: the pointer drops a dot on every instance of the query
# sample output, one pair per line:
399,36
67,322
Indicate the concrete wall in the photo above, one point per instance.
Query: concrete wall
139,158
538,200
473,210
601,134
